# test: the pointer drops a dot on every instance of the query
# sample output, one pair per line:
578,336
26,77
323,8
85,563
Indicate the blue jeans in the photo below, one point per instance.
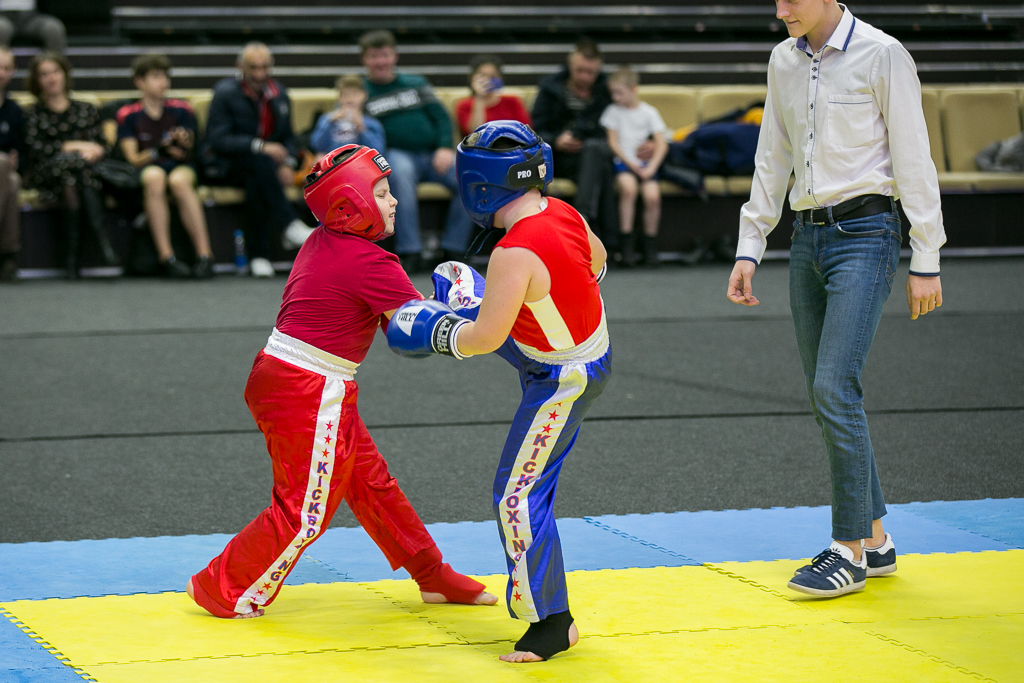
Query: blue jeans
840,275
407,170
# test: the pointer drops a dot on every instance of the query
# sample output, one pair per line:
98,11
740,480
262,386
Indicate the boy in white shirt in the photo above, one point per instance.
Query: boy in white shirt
630,123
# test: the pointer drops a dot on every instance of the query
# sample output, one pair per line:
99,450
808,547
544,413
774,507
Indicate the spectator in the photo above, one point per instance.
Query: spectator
62,143
250,143
158,135
11,139
347,124
419,137
19,17
630,123
487,103
566,114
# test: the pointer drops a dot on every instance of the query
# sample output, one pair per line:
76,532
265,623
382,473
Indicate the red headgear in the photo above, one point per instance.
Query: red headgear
339,190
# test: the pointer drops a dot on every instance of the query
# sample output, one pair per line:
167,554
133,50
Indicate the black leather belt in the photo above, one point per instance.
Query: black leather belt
858,207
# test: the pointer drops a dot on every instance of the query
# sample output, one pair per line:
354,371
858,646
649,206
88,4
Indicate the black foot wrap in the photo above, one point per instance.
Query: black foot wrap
547,637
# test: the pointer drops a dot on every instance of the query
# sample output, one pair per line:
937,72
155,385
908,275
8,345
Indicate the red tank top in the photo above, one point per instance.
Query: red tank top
572,311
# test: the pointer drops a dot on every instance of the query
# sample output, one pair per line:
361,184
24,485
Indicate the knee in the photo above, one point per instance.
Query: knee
652,199
832,393
181,181
154,179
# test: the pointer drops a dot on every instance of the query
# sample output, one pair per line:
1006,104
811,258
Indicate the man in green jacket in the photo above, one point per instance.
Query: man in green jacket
419,137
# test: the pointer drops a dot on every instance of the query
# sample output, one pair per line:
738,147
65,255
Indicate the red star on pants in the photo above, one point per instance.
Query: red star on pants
515,583
459,281
552,416
546,429
330,426
517,596
327,438
267,586
259,592
325,453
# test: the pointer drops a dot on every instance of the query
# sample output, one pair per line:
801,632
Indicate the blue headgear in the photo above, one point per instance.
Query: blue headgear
498,162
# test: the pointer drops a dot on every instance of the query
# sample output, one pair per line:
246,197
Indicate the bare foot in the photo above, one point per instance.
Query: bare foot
250,615
518,657
484,598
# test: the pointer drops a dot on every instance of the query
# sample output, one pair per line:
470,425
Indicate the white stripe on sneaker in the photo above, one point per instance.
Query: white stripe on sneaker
835,583
846,575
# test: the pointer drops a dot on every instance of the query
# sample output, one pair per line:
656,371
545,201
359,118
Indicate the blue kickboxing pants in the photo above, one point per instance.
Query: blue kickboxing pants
556,398
558,390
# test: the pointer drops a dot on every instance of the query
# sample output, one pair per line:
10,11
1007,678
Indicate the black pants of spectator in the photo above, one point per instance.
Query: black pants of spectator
593,173
267,210
10,210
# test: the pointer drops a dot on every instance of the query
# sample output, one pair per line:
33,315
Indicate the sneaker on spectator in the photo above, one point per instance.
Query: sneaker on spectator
174,269
202,269
295,234
260,267
831,573
881,560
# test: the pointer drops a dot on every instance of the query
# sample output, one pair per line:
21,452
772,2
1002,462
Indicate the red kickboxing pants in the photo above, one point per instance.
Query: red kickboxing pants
321,453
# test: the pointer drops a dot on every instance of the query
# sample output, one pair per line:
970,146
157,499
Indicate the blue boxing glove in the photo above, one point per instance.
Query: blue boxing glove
420,328
459,286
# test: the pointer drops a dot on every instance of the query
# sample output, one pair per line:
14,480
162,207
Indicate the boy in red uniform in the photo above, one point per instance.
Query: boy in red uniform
303,395
542,289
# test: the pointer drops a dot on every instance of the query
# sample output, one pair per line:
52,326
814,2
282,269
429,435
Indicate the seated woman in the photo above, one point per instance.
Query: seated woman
158,135
62,143
487,103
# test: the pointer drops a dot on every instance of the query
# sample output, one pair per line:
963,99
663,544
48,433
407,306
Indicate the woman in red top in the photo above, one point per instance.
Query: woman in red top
487,103
302,394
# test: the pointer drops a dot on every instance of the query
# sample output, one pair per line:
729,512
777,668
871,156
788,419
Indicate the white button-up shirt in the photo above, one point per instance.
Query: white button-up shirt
847,120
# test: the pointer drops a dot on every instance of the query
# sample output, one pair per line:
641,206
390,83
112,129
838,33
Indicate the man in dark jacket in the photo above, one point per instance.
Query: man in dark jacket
566,114
250,143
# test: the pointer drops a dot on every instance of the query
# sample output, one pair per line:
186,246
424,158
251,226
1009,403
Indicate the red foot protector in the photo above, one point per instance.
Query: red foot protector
204,600
433,576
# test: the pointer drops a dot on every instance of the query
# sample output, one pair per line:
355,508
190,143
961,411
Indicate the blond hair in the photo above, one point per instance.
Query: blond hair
626,76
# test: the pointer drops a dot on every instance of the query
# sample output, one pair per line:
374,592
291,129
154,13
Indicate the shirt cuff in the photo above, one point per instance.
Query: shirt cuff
924,265
750,249
748,258
257,145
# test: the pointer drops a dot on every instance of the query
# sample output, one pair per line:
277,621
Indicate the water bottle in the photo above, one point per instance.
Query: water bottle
241,262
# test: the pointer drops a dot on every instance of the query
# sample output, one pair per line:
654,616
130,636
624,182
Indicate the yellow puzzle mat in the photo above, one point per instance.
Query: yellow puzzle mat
941,617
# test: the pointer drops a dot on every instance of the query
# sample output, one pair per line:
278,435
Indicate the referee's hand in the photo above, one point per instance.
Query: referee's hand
740,289
924,294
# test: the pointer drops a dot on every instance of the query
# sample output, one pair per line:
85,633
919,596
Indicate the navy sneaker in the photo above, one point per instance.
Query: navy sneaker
881,560
831,573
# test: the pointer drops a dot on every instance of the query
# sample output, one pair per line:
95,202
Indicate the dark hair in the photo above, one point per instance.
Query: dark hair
32,79
587,48
143,64
375,39
479,60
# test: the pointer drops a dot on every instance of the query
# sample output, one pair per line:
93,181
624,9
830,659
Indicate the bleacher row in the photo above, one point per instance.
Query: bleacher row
961,121
982,210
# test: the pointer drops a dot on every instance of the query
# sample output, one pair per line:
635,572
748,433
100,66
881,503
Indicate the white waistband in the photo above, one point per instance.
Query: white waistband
594,348
309,357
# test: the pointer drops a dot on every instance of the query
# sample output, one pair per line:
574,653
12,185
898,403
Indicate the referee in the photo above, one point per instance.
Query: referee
843,114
